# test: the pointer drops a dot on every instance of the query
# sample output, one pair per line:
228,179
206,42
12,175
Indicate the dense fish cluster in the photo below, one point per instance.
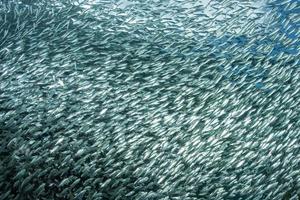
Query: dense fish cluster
149,100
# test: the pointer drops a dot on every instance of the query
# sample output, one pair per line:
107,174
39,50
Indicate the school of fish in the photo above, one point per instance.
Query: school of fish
149,100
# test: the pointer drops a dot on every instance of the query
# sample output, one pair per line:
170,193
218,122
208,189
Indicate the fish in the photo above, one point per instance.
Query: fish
149,100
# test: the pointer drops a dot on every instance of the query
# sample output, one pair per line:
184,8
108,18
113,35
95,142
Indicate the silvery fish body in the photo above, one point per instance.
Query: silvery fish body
157,99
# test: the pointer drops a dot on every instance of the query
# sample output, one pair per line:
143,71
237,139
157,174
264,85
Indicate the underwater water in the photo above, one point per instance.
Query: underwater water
149,99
